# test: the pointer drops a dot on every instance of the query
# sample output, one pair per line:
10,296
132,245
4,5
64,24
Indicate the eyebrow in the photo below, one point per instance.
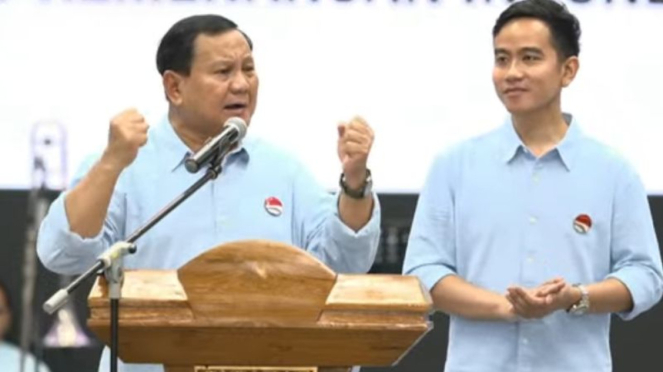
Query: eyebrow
522,50
222,60
531,50
226,60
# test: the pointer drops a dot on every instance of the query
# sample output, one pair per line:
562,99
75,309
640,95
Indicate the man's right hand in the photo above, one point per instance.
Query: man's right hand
127,134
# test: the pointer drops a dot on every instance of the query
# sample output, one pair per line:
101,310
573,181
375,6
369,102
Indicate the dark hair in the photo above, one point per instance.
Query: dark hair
5,291
176,48
564,26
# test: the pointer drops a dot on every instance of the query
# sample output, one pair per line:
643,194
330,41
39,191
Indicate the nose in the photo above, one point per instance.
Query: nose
239,83
514,72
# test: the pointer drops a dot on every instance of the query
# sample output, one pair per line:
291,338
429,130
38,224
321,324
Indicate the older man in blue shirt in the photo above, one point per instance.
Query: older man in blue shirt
264,192
531,235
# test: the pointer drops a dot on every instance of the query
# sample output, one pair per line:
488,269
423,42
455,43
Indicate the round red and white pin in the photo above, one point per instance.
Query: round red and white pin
582,224
273,206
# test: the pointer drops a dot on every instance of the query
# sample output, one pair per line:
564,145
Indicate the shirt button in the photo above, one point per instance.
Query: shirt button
221,220
532,220
535,178
525,341
530,260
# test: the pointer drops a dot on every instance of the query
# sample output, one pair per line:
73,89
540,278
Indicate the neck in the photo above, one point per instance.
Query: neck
541,131
192,137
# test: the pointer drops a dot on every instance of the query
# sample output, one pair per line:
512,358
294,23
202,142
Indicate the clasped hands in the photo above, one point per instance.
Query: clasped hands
535,303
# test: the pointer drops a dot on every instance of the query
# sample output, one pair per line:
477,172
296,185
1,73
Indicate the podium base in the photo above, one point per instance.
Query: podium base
255,369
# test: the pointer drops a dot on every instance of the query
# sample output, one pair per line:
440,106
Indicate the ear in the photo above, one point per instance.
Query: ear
569,70
172,86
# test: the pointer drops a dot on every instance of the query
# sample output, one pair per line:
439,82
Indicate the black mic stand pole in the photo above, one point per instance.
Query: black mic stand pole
112,259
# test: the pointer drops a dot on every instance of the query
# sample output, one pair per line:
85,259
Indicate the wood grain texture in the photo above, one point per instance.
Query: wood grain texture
150,294
257,280
378,292
263,304
342,344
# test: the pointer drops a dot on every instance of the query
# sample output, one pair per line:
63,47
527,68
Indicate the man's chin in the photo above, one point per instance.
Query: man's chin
520,110
246,116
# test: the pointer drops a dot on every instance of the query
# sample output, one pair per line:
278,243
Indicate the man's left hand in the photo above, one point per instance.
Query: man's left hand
537,303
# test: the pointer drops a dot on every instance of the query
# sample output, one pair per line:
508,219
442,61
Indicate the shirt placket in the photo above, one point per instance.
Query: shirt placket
531,259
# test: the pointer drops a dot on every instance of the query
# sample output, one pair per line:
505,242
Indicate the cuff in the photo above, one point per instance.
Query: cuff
62,250
644,286
431,274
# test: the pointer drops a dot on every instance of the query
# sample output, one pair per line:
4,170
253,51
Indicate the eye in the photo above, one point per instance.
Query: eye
500,60
531,57
223,71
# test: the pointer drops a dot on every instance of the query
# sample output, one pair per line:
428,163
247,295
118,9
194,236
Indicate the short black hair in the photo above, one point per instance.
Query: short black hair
564,26
176,48
4,290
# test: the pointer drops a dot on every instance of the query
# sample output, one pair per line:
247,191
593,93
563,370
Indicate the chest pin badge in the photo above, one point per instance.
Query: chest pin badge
273,206
582,224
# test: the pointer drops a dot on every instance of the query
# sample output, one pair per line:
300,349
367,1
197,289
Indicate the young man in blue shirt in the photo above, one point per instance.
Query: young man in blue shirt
530,236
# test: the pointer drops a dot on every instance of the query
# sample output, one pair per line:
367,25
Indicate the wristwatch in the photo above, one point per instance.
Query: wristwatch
581,307
360,193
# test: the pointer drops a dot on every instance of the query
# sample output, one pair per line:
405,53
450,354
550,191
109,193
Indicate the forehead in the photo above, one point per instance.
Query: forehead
227,45
523,32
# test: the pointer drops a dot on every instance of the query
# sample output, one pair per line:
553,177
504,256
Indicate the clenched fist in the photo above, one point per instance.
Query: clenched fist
127,133
355,139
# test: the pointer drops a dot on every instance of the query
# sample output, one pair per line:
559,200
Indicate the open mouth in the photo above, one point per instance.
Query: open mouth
235,106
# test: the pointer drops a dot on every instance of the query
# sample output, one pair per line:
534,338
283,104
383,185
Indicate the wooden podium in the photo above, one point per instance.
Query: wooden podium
266,304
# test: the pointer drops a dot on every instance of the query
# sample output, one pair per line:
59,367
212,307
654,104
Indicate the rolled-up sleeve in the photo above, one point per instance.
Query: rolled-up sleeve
431,249
635,255
356,250
65,252
318,228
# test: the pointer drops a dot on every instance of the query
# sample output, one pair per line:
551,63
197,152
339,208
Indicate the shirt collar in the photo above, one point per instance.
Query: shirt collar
567,148
173,151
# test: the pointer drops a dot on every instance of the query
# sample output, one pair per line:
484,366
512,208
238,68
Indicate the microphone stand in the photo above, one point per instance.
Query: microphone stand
112,259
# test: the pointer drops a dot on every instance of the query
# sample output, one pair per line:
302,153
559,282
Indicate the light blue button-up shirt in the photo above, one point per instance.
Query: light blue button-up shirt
496,215
232,207
10,359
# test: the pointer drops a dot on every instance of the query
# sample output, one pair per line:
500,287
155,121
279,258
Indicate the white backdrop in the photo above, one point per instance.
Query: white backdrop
419,72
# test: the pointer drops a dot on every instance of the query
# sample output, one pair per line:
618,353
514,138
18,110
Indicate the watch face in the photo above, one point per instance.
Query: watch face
581,307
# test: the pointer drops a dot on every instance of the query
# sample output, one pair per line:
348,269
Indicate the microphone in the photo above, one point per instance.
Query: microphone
233,131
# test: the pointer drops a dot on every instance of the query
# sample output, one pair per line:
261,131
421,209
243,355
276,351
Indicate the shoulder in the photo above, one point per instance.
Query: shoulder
598,151
263,152
608,163
481,147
